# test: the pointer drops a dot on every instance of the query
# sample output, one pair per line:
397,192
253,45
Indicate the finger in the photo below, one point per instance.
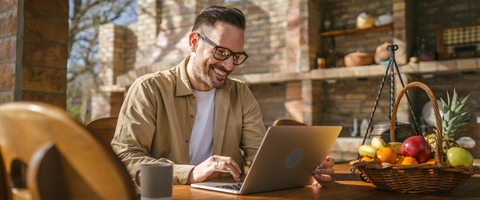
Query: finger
324,171
223,166
232,162
323,179
326,164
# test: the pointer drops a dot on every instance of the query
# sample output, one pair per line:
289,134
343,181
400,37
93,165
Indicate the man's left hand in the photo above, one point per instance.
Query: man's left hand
324,171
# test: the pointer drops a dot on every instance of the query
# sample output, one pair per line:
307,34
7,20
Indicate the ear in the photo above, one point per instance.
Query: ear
193,41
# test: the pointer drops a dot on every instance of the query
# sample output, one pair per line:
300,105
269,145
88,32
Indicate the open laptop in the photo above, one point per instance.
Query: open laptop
285,159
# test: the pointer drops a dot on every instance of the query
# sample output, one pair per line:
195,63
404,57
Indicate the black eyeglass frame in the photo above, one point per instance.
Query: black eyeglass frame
216,48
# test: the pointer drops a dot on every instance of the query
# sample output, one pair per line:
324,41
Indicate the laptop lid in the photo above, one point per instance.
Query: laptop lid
287,157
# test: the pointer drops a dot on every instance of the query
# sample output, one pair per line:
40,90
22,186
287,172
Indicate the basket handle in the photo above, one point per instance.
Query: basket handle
438,119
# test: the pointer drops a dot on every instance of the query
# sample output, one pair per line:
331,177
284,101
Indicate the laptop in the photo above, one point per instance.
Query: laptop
285,159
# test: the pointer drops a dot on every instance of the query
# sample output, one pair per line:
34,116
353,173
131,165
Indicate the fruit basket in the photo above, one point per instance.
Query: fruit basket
422,178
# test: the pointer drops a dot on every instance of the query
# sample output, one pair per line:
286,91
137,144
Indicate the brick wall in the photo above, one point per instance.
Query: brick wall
432,15
265,35
440,83
111,53
343,15
33,56
347,99
106,104
8,39
271,98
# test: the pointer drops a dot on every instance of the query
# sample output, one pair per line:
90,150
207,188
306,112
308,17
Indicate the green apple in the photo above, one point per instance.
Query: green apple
459,156
367,150
378,143
396,146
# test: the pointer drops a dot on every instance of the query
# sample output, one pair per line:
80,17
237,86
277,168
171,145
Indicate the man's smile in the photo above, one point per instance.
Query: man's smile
219,72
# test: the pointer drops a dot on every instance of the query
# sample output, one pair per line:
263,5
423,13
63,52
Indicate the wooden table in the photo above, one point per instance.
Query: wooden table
345,186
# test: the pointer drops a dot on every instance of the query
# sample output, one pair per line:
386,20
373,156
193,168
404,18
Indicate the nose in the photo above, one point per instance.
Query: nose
228,64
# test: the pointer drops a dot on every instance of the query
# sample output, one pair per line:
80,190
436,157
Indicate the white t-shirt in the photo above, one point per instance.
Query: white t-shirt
201,140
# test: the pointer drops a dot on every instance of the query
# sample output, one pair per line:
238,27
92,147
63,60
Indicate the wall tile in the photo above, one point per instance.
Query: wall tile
6,97
8,4
7,76
54,99
8,23
8,48
57,8
44,79
45,27
45,53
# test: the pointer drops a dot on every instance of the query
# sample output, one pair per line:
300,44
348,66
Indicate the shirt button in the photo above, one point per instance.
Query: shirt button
191,116
186,141
193,97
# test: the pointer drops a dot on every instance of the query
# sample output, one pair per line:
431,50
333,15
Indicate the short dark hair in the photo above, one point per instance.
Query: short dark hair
210,15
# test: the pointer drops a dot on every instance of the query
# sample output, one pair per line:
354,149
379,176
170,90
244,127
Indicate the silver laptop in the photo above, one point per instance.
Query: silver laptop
286,159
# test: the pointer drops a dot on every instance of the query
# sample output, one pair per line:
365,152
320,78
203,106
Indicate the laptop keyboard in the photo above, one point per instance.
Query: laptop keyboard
232,187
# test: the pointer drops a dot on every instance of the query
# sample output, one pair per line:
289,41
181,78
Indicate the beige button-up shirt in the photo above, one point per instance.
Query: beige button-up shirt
156,120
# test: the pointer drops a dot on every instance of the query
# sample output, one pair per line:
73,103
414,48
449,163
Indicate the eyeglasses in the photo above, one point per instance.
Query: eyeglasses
222,53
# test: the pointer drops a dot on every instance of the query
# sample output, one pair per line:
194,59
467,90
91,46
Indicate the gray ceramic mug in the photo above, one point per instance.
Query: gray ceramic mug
156,182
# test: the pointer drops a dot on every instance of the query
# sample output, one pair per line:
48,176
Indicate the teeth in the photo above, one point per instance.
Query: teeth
219,72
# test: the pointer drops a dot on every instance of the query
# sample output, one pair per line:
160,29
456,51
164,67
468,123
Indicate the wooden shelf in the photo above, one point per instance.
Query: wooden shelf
357,30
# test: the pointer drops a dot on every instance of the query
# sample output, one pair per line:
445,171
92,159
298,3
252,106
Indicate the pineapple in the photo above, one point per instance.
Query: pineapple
453,119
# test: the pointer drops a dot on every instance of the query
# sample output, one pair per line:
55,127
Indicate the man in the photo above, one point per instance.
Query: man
193,116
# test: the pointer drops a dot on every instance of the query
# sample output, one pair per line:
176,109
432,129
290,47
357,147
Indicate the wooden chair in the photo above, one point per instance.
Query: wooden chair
103,127
4,190
65,160
282,122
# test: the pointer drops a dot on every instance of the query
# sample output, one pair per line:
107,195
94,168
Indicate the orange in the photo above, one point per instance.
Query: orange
366,158
406,161
431,161
385,154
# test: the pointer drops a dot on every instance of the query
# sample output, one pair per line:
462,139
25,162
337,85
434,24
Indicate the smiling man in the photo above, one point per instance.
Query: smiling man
193,116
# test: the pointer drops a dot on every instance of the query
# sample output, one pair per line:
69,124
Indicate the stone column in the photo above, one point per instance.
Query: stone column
293,101
108,97
403,32
313,97
33,60
148,26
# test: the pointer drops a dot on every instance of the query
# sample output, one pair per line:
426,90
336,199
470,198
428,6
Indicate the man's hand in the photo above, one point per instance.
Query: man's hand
213,167
323,173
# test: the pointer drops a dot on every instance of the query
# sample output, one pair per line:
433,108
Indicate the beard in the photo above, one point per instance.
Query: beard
208,77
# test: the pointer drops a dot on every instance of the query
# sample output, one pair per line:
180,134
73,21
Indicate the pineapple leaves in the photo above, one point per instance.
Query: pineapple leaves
455,115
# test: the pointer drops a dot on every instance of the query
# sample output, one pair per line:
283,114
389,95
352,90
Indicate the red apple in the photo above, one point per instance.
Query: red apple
416,147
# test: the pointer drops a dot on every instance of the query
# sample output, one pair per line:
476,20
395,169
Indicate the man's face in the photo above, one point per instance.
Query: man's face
208,70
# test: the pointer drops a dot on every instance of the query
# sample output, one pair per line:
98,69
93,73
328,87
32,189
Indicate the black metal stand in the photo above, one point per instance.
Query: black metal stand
390,67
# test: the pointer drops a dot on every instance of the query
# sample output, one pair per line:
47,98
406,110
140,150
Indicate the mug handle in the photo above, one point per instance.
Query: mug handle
137,182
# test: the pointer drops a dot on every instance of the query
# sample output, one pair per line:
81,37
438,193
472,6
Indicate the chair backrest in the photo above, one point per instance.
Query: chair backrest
65,160
291,122
4,190
103,127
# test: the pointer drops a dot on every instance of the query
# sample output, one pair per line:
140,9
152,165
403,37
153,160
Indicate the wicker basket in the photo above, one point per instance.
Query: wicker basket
422,178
